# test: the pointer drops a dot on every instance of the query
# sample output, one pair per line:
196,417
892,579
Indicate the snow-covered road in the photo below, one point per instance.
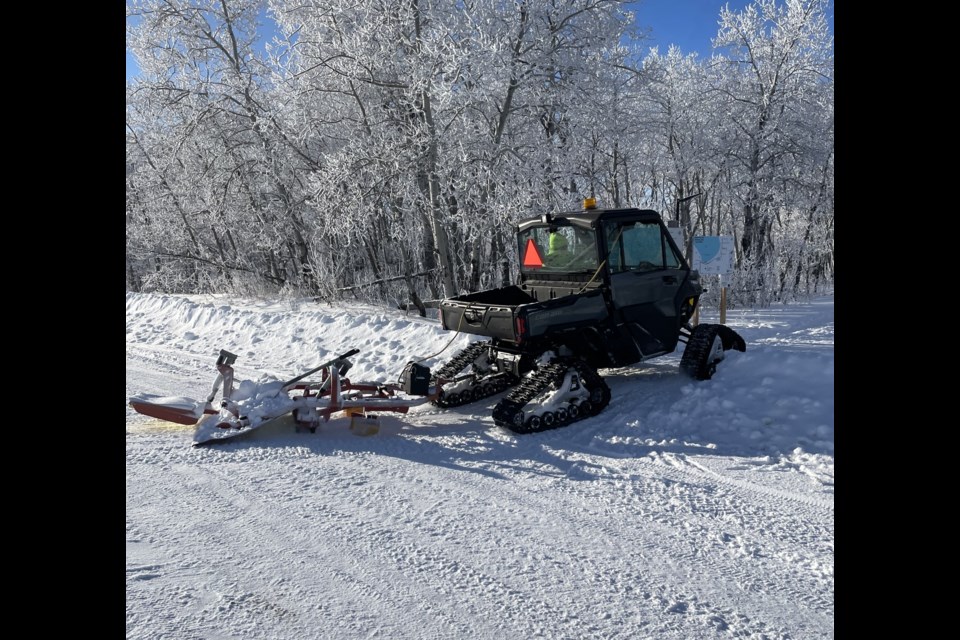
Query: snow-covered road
684,510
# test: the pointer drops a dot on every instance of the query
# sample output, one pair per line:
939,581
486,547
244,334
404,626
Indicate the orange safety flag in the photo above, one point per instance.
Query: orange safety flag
531,256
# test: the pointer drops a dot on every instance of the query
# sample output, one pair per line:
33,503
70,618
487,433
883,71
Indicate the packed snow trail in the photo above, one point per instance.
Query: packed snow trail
681,511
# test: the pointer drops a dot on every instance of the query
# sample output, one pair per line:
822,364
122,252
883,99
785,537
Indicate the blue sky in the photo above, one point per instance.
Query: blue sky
689,24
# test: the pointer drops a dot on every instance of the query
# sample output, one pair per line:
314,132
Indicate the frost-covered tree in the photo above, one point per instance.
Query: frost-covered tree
204,135
777,66
447,104
384,149
681,121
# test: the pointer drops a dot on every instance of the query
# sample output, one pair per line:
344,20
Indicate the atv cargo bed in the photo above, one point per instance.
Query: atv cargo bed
512,314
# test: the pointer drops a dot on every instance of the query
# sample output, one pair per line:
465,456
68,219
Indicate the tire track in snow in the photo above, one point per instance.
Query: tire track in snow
546,550
701,536
392,489
354,587
770,532
776,505
400,546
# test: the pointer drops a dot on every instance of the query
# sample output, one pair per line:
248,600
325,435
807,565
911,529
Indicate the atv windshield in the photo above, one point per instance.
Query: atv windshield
558,249
638,246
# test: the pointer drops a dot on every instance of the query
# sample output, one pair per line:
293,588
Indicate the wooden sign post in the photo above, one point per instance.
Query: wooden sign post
723,302
713,255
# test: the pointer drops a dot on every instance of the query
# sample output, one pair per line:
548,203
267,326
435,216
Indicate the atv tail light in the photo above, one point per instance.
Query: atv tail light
521,326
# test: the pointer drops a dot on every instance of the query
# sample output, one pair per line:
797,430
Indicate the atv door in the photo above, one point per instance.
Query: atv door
649,282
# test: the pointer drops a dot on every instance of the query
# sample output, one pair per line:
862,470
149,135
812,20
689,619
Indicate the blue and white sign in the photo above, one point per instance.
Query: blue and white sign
713,255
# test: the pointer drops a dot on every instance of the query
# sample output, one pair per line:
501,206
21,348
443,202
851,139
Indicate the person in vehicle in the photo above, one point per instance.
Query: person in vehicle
558,244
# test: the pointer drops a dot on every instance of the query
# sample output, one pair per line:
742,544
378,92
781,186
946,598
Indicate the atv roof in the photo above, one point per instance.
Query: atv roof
587,219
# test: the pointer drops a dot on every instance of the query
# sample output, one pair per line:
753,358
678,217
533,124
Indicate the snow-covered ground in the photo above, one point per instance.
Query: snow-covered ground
684,510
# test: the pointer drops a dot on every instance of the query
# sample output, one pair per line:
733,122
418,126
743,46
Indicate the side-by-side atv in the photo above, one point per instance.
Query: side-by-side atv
598,288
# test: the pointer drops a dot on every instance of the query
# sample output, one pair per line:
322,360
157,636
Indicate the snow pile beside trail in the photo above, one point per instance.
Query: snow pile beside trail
284,340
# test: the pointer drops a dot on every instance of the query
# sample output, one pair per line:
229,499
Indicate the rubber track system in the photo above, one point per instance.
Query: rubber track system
483,387
695,361
509,412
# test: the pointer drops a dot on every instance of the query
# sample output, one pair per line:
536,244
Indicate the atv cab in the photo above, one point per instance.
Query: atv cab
628,254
